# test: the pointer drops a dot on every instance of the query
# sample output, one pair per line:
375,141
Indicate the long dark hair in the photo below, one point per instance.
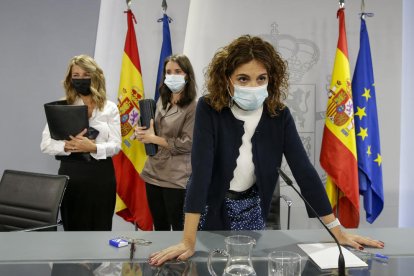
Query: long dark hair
190,89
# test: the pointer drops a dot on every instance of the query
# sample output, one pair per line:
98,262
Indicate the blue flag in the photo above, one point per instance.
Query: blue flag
166,51
367,131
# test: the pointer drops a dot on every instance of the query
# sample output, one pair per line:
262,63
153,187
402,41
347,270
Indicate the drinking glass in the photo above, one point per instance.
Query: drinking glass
284,263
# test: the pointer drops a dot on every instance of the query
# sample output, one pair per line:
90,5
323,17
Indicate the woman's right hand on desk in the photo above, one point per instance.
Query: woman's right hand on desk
181,251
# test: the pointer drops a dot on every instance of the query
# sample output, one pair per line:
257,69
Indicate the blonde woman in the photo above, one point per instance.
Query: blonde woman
89,200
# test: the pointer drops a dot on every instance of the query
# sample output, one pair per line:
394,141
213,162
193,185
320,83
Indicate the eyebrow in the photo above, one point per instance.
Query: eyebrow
245,75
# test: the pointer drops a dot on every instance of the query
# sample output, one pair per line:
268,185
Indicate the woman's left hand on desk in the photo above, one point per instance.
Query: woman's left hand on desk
357,241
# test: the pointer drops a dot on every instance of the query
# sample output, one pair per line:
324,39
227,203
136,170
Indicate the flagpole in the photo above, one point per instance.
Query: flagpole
128,2
166,47
164,6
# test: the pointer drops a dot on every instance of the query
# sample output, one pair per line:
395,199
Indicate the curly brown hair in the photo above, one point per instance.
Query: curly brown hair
98,89
240,51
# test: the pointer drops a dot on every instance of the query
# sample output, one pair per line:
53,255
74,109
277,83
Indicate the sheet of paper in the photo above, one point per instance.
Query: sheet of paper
325,255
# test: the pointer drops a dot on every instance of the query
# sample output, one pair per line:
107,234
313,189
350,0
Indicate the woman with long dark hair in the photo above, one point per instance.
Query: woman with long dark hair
166,173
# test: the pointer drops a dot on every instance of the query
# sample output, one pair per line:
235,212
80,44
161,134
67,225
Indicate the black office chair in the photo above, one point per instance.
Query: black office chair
30,201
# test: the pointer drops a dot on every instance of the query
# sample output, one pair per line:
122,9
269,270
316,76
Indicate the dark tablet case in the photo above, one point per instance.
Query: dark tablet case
147,110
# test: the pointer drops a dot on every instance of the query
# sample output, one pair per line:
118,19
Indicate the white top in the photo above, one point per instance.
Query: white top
243,175
108,142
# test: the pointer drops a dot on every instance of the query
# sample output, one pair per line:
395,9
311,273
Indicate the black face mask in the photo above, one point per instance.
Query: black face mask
82,86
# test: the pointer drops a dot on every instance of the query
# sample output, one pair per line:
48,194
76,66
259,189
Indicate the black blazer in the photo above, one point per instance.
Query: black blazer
216,142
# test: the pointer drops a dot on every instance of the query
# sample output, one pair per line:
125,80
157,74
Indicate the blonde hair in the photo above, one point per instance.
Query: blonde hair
98,89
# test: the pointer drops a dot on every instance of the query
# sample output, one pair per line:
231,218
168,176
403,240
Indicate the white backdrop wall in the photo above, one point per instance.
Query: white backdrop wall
39,37
406,218
308,40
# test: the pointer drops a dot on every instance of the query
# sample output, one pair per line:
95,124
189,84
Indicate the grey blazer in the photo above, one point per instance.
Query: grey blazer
171,167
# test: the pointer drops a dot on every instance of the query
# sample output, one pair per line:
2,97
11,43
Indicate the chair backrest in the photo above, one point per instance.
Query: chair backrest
29,200
273,219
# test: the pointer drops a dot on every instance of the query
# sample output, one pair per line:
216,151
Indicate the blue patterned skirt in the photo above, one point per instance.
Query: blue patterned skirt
243,210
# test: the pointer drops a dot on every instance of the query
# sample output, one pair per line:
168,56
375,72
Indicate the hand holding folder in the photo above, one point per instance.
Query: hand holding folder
147,110
65,120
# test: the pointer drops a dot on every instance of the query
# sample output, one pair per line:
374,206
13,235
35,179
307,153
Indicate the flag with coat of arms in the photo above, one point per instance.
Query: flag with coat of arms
338,152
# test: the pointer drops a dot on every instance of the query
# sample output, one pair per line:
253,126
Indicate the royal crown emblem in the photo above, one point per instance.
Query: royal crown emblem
301,54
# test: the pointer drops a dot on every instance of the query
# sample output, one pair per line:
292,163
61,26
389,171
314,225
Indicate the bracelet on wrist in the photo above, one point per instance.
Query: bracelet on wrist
333,224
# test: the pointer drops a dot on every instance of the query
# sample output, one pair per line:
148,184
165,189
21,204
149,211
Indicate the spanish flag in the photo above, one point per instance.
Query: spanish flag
131,203
338,152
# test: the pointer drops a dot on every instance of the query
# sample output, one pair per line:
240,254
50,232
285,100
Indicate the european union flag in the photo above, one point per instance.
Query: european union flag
166,51
367,131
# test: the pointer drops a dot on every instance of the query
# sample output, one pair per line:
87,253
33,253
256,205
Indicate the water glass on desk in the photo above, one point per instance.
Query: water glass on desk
284,263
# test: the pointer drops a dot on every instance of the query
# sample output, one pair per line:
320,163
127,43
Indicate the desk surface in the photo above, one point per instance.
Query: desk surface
34,249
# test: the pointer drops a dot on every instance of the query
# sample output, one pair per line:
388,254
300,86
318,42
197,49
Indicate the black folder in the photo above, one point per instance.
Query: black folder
65,120
147,110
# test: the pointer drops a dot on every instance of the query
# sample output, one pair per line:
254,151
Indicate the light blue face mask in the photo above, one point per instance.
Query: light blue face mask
175,83
250,98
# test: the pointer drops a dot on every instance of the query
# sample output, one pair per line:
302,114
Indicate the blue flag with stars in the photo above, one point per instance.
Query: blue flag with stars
166,51
367,131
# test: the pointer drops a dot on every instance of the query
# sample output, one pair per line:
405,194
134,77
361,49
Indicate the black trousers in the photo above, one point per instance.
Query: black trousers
166,206
89,200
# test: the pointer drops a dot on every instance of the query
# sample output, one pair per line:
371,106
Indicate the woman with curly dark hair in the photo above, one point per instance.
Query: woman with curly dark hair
242,130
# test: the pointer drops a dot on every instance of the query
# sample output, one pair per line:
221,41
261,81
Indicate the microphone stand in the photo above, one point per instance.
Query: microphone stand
341,260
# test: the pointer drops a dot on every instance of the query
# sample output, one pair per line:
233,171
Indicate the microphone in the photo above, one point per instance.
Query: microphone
341,260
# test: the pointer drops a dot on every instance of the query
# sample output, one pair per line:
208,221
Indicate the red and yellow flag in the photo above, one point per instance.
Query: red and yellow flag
131,203
338,153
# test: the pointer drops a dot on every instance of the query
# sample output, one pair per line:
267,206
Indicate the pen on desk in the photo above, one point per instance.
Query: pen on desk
375,255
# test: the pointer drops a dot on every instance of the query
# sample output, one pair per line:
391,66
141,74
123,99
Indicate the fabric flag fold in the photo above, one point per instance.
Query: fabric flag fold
132,202
338,152
166,51
367,130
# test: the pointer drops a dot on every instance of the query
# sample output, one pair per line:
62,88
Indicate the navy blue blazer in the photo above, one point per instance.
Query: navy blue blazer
216,141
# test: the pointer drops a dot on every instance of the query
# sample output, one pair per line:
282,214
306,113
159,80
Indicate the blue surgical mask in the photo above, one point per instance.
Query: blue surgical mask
175,83
250,98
